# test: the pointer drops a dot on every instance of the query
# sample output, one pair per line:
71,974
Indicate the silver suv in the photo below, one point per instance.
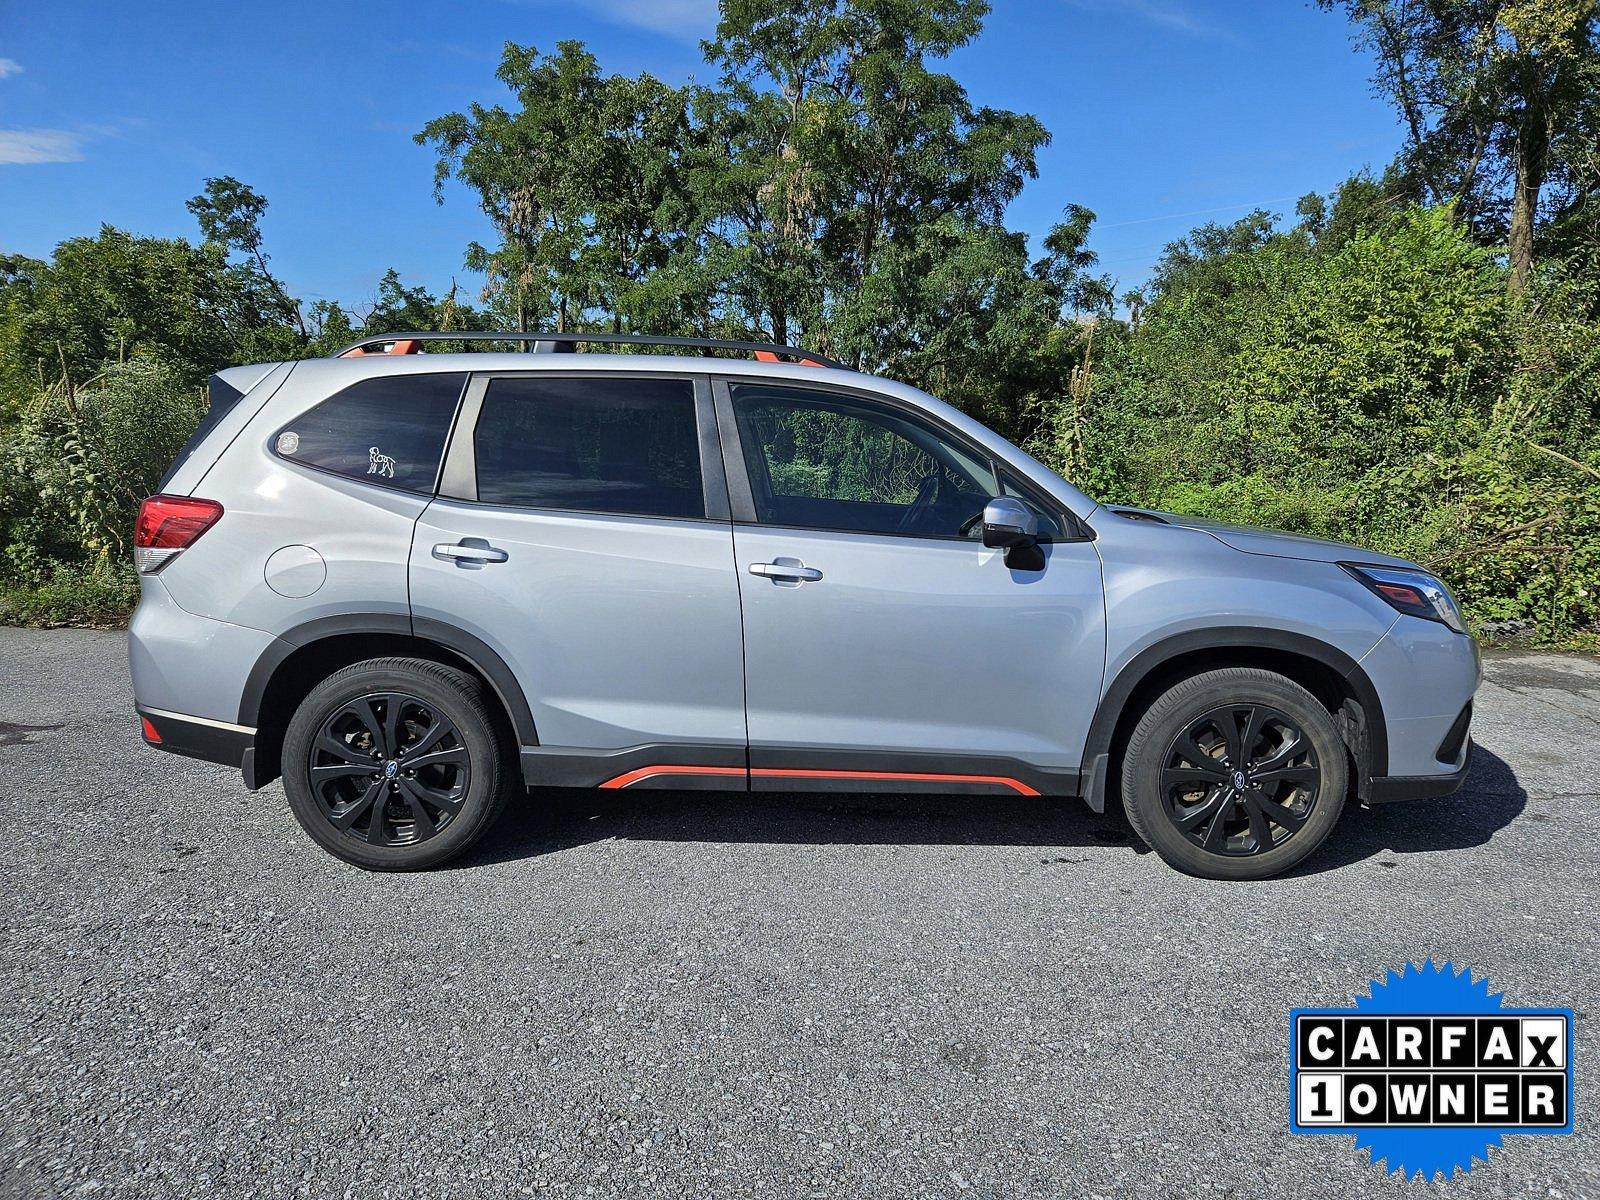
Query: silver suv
413,584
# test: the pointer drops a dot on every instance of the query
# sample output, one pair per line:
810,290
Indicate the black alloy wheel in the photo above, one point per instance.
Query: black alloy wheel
1240,779
1235,773
389,769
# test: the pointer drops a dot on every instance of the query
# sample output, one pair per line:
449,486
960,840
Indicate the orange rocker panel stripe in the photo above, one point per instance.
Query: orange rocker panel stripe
642,773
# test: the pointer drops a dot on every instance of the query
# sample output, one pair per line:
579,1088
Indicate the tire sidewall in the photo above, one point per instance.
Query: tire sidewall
1141,782
485,758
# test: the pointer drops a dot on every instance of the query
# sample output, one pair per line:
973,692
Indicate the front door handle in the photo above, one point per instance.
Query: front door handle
786,569
468,552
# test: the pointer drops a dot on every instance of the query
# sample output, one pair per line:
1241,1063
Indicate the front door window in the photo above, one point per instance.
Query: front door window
824,461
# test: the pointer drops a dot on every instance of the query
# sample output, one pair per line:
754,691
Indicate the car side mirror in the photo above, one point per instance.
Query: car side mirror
1008,523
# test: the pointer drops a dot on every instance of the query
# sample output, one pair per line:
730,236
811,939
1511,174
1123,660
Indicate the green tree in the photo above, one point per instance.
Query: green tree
1499,99
583,182
1381,388
114,297
851,147
229,213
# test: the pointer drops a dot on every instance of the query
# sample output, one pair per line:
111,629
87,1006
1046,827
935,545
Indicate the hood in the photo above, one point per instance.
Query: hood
1250,540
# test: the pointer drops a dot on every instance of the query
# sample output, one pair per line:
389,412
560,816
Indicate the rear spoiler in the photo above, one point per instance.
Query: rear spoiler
223,390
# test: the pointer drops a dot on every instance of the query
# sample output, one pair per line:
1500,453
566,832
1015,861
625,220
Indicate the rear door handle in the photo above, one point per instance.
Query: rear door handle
467,552
786,568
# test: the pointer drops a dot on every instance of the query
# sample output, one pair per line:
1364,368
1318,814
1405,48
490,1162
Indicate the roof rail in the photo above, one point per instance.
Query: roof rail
558,343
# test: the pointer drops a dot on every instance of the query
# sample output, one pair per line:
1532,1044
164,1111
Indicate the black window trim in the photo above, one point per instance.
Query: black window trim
458,477
742,496
444,450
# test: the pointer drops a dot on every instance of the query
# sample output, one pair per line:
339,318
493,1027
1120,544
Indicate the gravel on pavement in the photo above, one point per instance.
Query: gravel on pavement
701,994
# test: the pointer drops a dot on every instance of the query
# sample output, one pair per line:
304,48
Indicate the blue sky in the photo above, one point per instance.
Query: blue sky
1165,114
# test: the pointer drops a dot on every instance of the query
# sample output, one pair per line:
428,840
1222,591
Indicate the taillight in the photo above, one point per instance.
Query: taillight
168,525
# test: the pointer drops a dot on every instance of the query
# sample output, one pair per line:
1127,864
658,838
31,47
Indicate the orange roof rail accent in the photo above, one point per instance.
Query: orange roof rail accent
402,346
770,356
546,342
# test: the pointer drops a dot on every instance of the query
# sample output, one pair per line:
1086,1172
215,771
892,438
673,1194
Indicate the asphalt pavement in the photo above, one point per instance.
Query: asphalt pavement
700,994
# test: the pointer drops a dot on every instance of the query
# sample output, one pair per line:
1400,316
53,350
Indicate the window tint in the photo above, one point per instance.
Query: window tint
389,431
830,462
591,445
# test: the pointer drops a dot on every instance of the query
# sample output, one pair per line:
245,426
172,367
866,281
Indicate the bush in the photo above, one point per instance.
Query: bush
78,463
80,596
1384,391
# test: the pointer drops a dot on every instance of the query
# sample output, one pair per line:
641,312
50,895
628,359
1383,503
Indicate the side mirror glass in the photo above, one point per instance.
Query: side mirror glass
1008,522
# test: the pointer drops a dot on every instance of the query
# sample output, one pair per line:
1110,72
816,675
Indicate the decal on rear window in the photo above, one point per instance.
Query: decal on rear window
388,431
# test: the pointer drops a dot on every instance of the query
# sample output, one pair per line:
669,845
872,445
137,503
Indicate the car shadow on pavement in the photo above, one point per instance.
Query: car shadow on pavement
1490,800
553,819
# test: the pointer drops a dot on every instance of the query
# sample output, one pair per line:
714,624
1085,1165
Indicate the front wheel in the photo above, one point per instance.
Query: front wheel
1238,773
395,764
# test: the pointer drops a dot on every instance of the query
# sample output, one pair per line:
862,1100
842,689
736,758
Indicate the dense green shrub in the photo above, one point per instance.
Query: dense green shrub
73,595
77,463
1384,391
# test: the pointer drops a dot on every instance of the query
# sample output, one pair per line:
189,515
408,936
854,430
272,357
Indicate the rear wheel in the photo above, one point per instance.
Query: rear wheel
1235,774
395,764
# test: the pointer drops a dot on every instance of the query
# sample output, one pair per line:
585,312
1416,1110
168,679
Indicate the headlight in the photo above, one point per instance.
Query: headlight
1415,593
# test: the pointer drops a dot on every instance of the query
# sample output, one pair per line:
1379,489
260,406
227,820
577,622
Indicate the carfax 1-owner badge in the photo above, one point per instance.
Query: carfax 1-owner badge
1430,1070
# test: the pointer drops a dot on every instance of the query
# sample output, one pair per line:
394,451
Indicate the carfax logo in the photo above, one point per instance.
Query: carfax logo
1429,1070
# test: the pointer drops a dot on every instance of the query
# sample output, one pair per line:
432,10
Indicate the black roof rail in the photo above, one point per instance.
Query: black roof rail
557,343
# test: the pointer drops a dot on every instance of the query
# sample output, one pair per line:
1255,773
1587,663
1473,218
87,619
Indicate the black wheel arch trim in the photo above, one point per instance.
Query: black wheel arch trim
1102,730
473,650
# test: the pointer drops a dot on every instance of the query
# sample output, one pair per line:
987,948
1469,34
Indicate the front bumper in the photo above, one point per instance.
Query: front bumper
1425,676
1385,789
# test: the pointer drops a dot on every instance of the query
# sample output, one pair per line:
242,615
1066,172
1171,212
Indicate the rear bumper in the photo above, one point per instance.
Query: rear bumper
1386,789
199,737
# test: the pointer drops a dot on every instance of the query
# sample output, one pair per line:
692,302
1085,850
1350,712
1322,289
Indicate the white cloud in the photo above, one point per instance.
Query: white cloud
688,20
39,146
1168,14
9,66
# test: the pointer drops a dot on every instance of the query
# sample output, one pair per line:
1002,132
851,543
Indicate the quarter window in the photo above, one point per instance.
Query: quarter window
826,461
389,430
1050,528
591,445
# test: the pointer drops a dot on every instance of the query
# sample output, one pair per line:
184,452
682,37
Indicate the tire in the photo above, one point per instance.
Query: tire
1191,809
457,782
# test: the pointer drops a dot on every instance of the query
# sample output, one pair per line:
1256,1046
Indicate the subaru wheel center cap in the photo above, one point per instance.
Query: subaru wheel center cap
1238,779
391,769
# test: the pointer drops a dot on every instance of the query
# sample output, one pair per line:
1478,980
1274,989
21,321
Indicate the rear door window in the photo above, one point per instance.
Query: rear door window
591,444
388,431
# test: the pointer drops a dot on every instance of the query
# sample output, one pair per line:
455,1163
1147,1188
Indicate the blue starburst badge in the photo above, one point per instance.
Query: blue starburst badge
1429,1070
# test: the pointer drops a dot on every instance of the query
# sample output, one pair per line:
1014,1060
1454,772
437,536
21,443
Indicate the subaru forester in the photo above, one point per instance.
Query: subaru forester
413,585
